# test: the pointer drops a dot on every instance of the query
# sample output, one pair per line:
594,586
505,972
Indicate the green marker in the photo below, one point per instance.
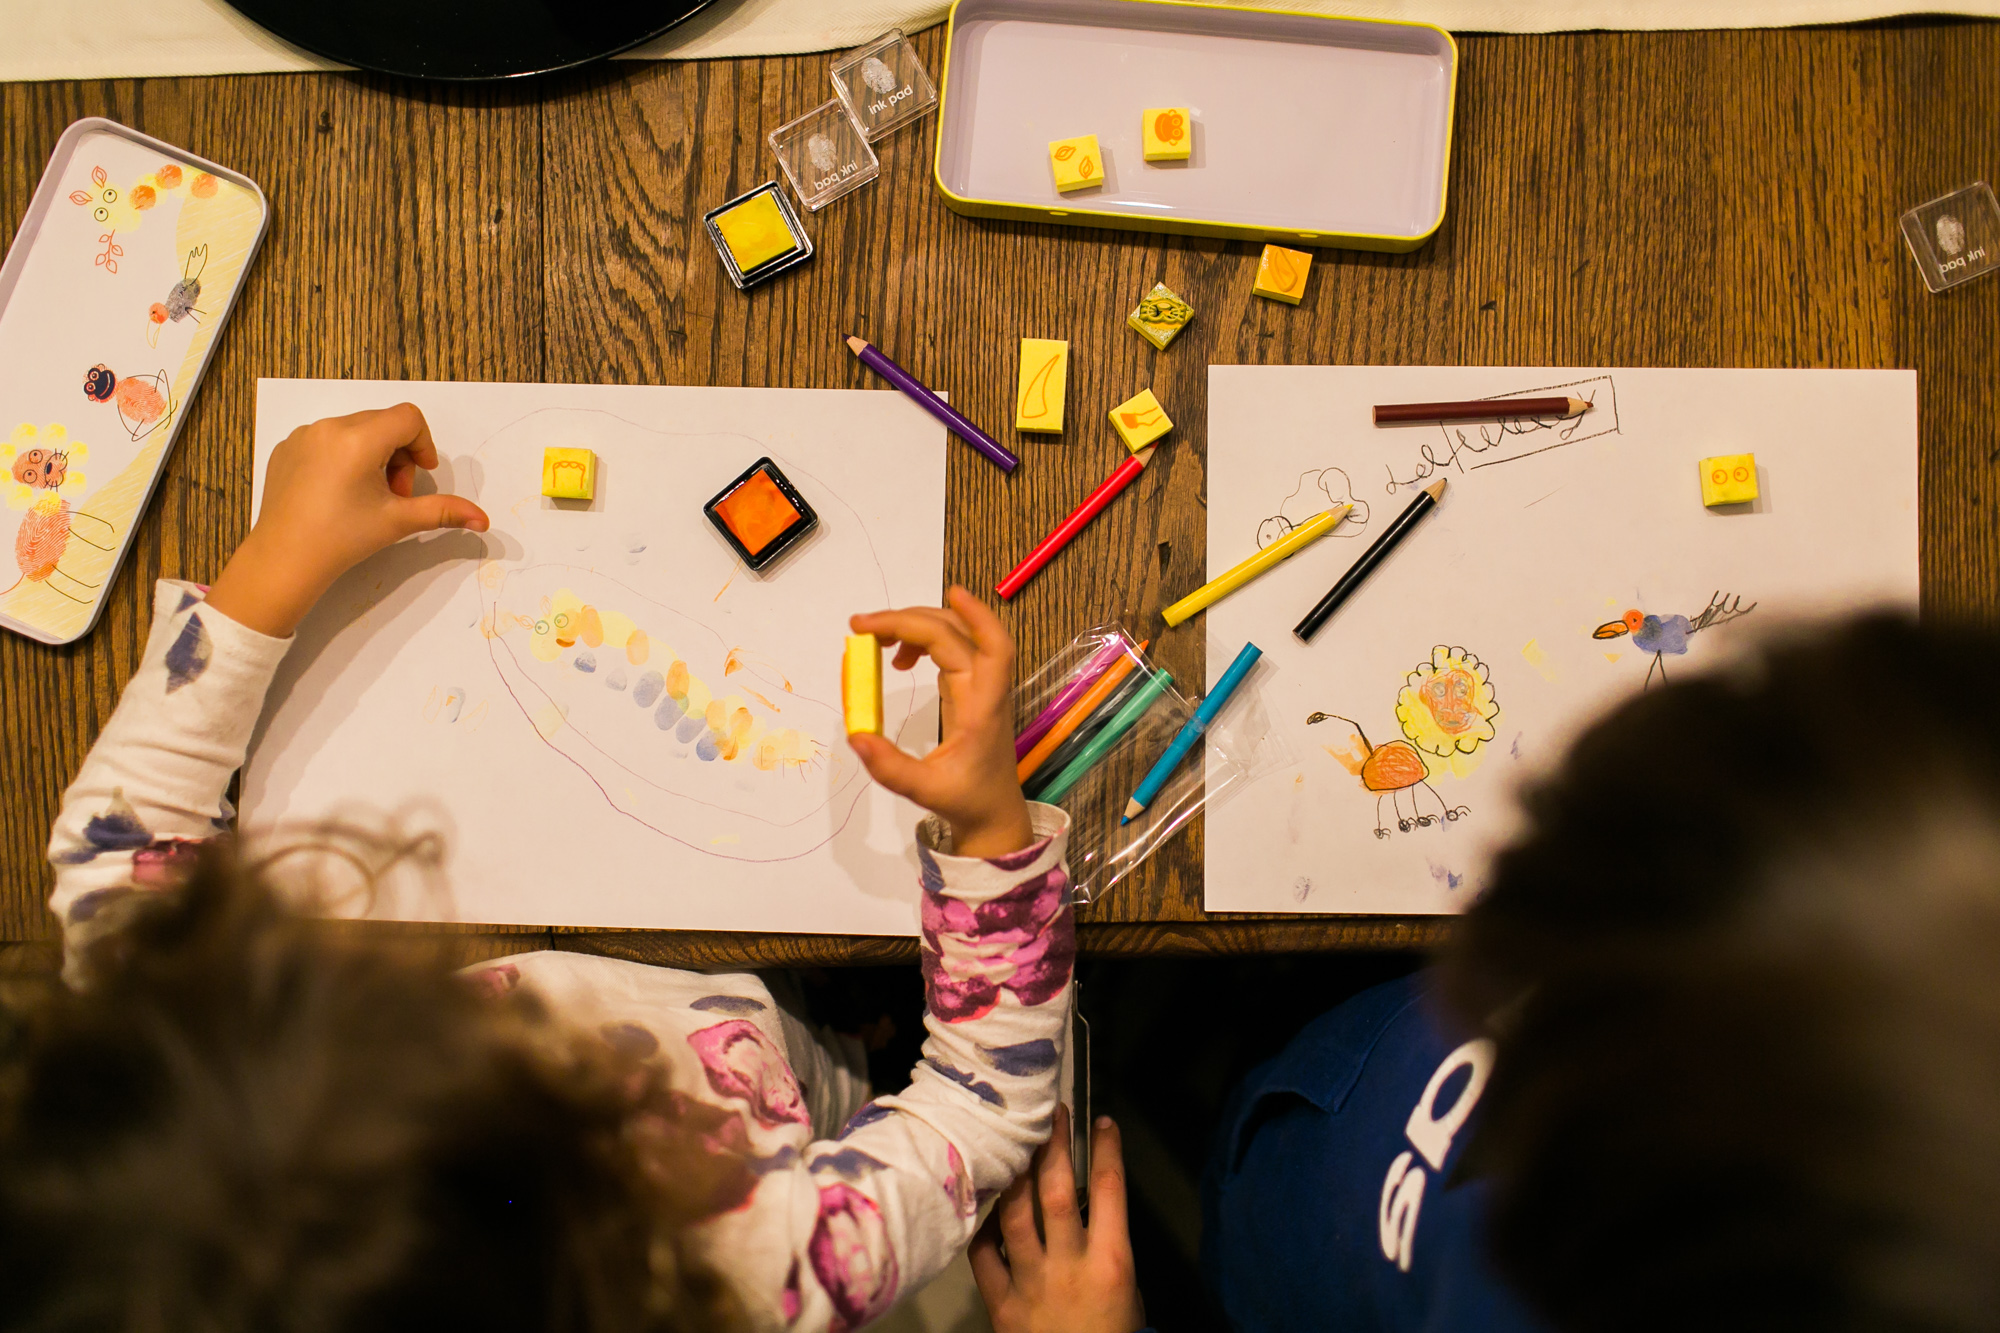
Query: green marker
1114,730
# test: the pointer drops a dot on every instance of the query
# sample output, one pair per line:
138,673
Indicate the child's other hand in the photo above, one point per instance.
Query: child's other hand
337,492
969,778
1068,1277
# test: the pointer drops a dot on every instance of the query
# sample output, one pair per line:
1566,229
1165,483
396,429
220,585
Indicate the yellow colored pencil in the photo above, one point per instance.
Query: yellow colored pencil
1079,713
1304,535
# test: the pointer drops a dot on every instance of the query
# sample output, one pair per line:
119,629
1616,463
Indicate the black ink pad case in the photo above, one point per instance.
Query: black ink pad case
758,236
761,514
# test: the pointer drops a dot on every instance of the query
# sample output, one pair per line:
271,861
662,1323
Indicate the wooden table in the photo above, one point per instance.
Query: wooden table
1619,199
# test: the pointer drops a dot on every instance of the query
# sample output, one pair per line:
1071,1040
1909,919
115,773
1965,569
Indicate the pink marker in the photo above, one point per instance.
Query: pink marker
1099,663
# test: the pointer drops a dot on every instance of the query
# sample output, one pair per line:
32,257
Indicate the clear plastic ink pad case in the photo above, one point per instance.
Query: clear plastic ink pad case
884,85
824,155
758,236
1954,239
761,514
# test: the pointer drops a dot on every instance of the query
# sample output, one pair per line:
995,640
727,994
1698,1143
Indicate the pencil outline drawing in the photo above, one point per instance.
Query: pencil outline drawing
1314,486
1468,446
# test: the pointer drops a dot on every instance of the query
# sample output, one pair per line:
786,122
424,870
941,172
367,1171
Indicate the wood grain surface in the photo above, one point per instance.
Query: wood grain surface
1634,199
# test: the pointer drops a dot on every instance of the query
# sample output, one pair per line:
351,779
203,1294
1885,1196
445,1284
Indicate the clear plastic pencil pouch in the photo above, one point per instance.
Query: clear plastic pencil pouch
1091,724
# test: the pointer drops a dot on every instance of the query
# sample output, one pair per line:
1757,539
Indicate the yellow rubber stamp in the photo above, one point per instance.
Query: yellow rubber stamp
861,684
1076,162
1729,479
1281,274
1160,316
1169,133
1038,404
569,474
1140,420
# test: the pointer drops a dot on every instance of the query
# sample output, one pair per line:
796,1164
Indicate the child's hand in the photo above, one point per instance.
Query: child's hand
337,492
969,779
1068,1278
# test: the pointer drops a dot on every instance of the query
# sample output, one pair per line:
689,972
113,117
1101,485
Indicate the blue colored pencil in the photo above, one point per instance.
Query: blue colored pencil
1190,735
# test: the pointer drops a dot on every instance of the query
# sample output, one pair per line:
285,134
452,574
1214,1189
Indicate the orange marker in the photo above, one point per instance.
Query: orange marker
1078,714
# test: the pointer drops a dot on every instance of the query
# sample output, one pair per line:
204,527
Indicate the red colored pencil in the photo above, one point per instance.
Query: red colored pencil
1093,505
1483,409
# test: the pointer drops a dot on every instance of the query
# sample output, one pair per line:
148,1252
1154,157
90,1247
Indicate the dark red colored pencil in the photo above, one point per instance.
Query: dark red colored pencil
1479,409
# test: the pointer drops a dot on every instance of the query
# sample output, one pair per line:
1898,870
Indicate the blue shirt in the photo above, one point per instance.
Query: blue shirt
1329,1199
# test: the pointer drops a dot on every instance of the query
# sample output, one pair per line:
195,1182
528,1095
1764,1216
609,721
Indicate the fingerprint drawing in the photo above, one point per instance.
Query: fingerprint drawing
1445,710
144,402
181,297
41,465
820,149
1664,636
646,689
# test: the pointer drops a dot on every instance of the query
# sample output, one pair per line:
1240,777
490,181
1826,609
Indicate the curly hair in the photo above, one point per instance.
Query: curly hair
252,1121
1746,956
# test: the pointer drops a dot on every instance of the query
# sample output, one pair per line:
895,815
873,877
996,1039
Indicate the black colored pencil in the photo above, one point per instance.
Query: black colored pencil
1059,757
1370,558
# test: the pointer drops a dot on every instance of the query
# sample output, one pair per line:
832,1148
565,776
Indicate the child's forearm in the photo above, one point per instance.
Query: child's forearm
999,945
151,790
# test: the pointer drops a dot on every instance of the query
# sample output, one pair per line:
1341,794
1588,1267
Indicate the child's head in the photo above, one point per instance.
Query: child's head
1744,967
252,1121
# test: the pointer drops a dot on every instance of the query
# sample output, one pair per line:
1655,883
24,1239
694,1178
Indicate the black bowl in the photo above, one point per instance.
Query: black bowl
467,39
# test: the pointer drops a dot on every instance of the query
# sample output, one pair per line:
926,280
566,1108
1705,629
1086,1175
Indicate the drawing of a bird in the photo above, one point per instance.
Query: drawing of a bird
1664,635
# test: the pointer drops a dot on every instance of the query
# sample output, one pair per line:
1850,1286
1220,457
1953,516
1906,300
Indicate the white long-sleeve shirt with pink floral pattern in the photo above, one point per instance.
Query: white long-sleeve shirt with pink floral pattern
818,1229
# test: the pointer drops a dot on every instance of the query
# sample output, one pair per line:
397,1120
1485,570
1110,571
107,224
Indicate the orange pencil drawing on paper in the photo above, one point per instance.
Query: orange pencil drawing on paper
1445,710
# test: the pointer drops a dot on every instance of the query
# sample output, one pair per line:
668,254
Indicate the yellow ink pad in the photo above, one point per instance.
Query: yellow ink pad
758,236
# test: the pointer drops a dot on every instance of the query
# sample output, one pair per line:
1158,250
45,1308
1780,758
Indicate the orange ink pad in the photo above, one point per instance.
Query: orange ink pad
761,514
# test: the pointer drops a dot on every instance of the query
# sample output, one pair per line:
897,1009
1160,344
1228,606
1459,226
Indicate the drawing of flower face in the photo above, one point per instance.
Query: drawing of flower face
740,1061
1023,941
1447,706
852,1257
43,469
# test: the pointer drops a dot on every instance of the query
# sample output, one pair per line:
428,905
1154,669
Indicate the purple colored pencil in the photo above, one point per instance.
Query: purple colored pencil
954,420
1099,663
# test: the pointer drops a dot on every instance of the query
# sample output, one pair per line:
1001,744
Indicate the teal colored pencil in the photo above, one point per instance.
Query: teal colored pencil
1114,730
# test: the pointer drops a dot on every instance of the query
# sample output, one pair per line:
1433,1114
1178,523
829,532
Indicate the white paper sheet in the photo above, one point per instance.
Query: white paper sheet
575,784
1474,646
